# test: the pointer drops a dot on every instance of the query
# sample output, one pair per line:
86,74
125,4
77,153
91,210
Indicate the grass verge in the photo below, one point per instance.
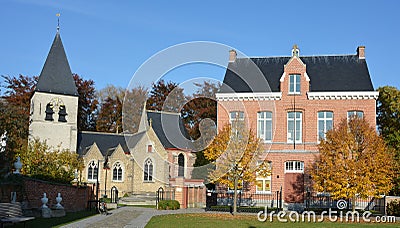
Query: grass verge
227,220
56,222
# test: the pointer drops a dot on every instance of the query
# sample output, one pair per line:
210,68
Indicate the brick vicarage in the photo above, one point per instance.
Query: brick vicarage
309,102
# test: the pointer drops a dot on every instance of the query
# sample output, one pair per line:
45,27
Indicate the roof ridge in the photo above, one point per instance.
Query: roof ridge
287,56
164,112
110,133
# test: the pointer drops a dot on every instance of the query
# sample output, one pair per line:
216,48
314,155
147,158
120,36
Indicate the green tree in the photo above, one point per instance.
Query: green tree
52,164
353,161
388,120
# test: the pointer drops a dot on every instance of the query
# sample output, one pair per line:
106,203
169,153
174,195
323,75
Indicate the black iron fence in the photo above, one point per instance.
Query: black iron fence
223,200
164,194
325,201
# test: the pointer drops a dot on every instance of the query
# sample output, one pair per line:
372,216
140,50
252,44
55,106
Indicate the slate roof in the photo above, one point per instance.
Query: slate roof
56,76
170,130
107,142
326,73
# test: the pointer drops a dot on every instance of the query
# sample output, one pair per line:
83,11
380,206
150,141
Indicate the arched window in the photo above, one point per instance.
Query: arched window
49,112
181,164
93,171
117,172
62,113
148,170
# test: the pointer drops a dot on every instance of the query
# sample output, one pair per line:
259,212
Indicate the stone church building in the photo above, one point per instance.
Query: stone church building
137,163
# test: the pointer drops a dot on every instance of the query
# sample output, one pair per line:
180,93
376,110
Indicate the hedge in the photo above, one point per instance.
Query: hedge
168,205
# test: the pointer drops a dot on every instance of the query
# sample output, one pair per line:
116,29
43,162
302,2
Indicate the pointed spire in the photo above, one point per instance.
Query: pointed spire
144,124
56,75
58,22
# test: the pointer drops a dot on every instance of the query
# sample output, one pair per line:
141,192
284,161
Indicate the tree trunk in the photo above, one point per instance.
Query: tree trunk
353,203
235,196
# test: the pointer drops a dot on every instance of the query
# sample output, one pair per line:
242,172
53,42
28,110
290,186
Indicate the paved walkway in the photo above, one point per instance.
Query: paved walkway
127,217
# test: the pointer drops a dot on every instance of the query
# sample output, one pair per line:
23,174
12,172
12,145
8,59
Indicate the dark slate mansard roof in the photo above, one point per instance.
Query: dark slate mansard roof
326,73
56,76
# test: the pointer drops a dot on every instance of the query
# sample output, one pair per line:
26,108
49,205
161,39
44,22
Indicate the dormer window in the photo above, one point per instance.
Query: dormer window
294,83
62,113
49,112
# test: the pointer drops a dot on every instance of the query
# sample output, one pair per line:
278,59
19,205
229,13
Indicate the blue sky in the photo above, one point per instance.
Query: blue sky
107,41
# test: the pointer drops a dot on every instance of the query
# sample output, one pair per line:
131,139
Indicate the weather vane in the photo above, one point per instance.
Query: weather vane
58,21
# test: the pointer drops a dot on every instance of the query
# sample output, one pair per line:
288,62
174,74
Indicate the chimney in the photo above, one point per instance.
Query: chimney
361,52
232,56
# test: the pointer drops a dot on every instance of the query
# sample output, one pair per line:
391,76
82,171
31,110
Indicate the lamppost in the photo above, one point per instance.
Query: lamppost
105,166
97,179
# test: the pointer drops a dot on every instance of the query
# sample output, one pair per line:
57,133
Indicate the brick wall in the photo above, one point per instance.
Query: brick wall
74,198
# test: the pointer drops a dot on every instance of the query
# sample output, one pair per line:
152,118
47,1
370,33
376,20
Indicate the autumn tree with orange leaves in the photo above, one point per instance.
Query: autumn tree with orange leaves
354,161
237,154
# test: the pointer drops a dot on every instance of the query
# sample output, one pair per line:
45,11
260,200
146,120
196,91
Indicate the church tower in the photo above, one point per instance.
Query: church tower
54,104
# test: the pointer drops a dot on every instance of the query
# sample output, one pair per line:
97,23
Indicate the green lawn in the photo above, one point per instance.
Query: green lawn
56,222
229,221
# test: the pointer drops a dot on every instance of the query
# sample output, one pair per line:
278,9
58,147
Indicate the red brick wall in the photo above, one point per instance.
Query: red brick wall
74,198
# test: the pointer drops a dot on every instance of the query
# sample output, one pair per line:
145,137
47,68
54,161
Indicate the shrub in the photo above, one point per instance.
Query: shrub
43,162
126,195
105,200
393,208
168,205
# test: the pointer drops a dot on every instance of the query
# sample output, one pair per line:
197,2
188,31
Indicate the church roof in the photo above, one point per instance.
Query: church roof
56,76
326,73
106,141
170,130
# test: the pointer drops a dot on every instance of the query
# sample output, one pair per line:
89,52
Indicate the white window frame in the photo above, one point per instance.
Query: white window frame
93,164
354,113
264,179
148,170
119,164
239,115
264,126
300,120
296,86
325,119
295,167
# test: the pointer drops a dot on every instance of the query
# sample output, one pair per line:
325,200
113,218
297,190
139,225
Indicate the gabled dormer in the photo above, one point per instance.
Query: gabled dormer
294,80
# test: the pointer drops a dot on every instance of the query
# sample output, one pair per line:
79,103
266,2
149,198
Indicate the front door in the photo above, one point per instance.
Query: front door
294,188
